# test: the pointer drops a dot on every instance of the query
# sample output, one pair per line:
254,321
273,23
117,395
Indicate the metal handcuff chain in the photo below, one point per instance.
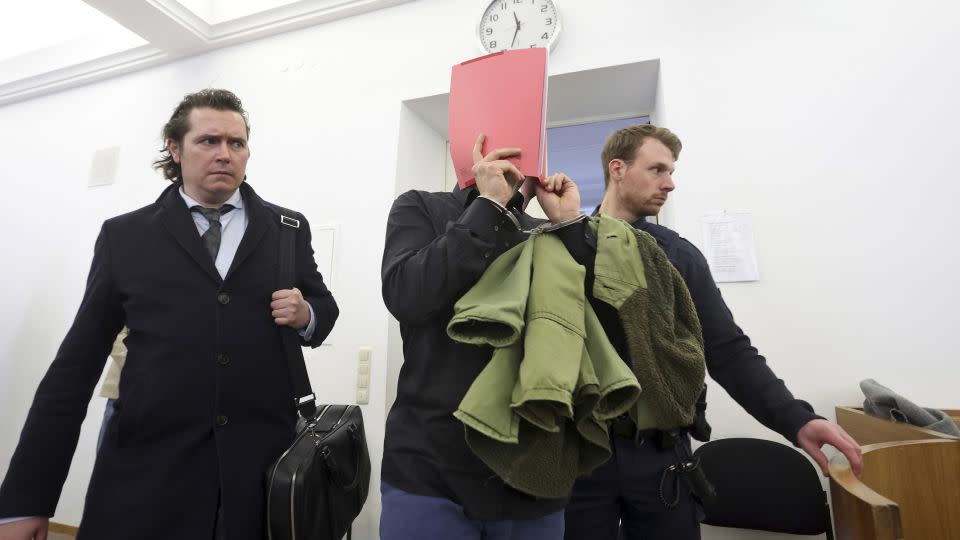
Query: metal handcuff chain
550,227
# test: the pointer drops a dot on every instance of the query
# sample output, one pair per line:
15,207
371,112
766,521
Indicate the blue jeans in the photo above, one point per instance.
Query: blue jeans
624,497
406,516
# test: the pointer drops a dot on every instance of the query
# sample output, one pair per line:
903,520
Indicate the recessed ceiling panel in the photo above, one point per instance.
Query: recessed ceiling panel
36,26
218,11
51,45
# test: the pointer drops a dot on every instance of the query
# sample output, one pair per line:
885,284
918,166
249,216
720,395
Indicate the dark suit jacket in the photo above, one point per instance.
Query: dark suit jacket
206,402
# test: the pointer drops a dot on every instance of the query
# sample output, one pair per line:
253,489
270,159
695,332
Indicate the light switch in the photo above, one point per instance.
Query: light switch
363,374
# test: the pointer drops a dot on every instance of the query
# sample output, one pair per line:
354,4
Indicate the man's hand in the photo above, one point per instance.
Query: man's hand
34,528
290,309
496,177
816,433
559,197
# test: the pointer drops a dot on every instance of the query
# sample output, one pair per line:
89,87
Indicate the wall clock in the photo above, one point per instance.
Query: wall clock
518,24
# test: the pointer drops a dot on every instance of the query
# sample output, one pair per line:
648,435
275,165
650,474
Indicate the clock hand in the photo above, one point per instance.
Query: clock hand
515,32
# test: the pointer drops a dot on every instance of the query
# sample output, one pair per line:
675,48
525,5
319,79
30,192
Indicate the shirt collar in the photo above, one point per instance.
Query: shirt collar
236,200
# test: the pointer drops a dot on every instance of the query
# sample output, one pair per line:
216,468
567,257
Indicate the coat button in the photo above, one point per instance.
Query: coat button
496,228
486,255
223,298
223,359
221,420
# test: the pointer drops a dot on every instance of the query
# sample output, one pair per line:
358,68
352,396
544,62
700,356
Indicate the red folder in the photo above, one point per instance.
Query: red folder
504,96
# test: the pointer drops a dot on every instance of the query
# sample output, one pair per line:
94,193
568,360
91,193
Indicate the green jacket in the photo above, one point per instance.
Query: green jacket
660,322
540,422
537,414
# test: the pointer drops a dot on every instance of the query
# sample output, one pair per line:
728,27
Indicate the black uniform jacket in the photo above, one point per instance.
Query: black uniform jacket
732,360
437,247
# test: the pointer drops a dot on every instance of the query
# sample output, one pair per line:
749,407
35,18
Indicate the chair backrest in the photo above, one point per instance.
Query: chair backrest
763,485
866,429
908,490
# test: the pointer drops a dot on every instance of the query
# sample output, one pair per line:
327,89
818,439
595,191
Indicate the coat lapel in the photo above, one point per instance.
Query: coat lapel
177,220
259,221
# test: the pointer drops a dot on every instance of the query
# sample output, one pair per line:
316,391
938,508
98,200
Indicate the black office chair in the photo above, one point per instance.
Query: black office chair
764,485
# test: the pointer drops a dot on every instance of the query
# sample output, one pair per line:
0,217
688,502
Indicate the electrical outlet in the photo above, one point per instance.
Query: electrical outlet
103,169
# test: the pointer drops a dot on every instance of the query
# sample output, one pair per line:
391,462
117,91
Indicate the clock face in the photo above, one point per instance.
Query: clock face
518,24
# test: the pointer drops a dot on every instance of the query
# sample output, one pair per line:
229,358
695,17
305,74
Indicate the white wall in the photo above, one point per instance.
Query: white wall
833,121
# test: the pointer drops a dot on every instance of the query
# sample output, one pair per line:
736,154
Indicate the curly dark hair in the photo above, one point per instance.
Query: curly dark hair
623,145
179,124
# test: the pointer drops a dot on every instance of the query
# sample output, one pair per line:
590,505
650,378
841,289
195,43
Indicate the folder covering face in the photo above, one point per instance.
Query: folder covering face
503,96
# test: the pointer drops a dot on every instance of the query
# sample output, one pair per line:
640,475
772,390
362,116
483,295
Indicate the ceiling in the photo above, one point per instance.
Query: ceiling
50,45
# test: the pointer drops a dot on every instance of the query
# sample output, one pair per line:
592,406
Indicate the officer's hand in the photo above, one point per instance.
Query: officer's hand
816,433
496,177
559,197
34,528
290,309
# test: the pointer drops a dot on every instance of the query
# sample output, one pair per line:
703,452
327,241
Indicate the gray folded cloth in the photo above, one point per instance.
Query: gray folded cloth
885,403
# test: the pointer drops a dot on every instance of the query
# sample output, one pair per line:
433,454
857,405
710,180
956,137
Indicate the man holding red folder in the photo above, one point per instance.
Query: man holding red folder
438,245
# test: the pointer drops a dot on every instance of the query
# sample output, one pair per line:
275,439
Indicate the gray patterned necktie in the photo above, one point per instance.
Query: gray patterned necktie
211,238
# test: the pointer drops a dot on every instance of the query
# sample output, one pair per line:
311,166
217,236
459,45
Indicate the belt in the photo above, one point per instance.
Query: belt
623,426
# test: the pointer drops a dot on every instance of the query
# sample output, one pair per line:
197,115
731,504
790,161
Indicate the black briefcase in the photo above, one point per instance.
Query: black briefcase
318,486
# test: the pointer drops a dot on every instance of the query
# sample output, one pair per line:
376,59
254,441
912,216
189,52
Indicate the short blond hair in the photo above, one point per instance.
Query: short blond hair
623,145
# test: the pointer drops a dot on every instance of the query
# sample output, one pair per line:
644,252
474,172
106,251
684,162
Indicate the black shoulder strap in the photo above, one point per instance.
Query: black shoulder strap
303,398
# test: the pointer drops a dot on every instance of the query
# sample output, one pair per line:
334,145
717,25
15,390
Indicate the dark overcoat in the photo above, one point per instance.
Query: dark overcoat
206,402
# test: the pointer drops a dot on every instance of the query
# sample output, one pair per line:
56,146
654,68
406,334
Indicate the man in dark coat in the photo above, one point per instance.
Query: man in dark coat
206,402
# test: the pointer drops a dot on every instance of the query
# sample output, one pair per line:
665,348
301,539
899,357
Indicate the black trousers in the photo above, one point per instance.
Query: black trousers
628,497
